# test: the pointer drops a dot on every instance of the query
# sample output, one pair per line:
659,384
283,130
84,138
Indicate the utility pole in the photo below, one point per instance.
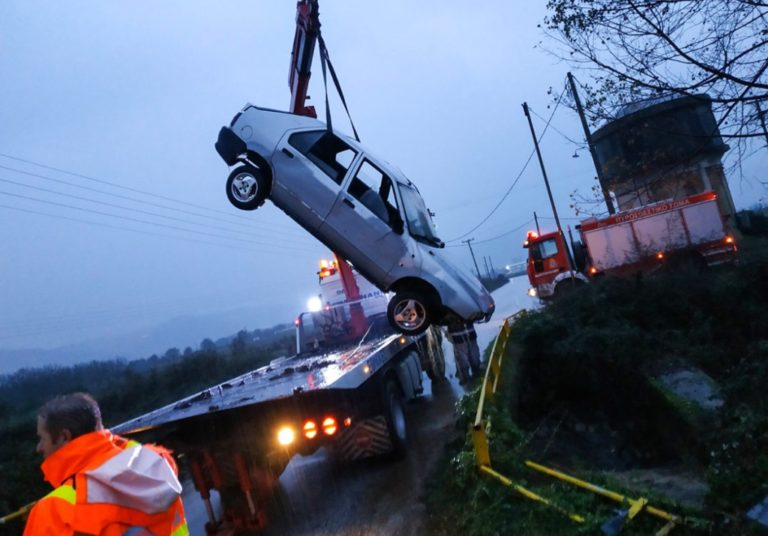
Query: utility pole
546,181
468,242
493,270
536,219
591,146
487,271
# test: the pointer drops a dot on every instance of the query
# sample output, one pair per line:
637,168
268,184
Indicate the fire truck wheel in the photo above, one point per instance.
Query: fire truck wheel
395,414
409,312
247,187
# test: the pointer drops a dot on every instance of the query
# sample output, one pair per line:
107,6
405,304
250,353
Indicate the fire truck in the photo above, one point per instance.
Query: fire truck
668,234
340,391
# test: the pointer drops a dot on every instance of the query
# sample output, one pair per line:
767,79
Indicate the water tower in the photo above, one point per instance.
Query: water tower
664,148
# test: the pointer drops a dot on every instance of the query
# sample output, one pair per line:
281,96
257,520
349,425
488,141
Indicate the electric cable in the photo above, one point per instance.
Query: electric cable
132,199
519,175
136,220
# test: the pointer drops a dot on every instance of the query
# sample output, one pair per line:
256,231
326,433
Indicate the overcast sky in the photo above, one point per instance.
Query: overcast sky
117,105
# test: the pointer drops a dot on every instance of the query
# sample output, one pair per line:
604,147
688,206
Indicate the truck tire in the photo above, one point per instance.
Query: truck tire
247,187
394,411
435,358
409,312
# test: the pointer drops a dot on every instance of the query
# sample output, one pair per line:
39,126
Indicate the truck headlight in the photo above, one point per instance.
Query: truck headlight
532,292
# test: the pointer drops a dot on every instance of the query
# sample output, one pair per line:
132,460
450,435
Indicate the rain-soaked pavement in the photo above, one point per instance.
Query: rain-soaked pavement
320,497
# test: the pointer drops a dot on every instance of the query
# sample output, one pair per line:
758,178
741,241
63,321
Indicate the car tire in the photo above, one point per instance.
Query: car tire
394,412
247,187
409,312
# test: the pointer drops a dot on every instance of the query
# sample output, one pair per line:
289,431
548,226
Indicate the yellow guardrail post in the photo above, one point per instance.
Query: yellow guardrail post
530,494
479,436
637,504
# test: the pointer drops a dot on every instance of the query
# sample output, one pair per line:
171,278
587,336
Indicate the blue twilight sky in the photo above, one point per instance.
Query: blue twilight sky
126,98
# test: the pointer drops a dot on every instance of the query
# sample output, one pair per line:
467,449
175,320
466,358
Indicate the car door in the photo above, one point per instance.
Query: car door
309,169
367,223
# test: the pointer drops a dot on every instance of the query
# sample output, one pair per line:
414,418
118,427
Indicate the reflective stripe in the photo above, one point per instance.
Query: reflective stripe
136,478
65,493
181,531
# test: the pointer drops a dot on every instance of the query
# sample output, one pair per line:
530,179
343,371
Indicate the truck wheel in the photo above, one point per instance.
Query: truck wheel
409,313
395,415
435,367
247,187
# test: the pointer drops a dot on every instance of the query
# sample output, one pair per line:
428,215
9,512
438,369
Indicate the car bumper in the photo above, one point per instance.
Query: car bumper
230,146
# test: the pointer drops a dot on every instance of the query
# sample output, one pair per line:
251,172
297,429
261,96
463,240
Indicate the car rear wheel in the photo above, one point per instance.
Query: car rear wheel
247,187
409,312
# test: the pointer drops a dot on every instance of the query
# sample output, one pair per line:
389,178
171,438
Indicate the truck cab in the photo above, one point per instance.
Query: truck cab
549,264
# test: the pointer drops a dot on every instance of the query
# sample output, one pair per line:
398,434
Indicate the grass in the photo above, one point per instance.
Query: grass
600,348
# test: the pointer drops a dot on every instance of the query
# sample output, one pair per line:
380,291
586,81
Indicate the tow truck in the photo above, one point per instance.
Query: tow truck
687,231
345,388
339,391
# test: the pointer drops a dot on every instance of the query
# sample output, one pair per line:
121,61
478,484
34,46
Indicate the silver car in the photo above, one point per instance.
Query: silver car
357,205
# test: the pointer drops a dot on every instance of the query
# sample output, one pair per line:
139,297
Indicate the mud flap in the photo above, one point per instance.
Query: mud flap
368,437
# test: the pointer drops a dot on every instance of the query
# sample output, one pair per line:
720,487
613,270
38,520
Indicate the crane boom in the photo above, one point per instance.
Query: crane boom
307,29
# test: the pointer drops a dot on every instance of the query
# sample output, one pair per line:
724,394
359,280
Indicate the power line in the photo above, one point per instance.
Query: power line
115,185
122,207
128,198
580,145
519,175
136,220
140,231
483,241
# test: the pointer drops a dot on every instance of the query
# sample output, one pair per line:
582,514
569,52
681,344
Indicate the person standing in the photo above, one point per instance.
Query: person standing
473,350
457,334
103,484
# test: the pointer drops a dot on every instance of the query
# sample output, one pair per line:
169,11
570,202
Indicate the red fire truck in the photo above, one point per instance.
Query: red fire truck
666,234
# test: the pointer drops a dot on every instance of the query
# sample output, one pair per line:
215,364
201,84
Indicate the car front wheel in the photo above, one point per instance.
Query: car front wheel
247,187
409,313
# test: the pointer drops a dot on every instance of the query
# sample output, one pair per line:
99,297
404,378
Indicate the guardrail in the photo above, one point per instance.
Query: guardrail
483,456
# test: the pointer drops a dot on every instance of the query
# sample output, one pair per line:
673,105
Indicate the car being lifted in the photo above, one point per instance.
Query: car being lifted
356,204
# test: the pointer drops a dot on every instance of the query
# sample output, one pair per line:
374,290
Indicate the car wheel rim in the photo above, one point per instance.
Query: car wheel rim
244,187
410,314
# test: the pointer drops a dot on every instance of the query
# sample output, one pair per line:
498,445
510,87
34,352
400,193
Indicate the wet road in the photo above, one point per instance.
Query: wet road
320,497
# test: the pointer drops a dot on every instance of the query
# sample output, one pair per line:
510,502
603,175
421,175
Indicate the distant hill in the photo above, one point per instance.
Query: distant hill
178,333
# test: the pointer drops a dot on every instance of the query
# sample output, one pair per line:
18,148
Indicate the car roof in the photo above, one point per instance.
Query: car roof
312,123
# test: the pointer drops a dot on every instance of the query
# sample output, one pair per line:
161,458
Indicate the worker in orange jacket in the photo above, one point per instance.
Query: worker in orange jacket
103,484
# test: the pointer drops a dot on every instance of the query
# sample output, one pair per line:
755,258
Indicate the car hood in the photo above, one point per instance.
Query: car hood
467,282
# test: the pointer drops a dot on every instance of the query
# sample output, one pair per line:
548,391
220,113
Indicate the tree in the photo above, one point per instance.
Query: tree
207,345
638,49
240,342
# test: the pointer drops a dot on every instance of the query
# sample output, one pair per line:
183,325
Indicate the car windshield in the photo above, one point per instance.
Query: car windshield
416,213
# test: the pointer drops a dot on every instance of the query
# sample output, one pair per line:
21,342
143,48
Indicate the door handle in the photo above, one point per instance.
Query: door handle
349,203
288,153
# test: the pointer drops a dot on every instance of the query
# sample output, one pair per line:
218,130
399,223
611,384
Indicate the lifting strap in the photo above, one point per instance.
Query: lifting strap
326,59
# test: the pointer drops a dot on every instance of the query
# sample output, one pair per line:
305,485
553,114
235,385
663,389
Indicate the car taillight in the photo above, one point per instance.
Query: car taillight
310,429
329,426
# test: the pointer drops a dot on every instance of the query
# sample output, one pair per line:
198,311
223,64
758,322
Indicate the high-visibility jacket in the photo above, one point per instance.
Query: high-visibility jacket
106,485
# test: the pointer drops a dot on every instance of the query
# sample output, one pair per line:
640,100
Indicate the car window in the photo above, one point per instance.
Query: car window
373,189
419,221
327,151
